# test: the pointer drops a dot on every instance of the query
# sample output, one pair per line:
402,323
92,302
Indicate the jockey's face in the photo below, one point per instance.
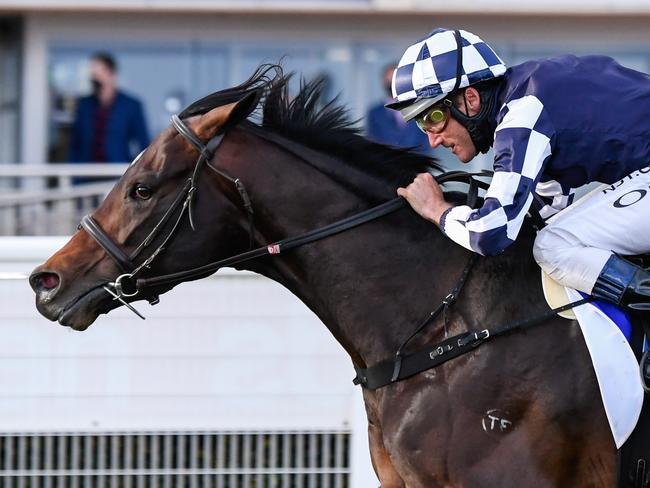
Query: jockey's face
454,136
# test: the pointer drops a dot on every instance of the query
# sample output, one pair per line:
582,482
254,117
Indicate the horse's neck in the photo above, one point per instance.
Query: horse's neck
371,285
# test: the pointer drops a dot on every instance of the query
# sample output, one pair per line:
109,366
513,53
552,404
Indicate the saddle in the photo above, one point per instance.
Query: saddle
634,455
556,296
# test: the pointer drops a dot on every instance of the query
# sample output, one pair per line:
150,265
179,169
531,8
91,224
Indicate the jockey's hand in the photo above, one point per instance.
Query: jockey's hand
426,197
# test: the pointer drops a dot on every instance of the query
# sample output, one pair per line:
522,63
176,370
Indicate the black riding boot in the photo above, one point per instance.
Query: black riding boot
623,283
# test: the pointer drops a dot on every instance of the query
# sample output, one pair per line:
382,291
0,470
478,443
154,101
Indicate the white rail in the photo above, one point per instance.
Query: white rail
221,458
232,365
62,170
42,199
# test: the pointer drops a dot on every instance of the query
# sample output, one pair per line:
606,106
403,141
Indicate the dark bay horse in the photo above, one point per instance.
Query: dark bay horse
521,411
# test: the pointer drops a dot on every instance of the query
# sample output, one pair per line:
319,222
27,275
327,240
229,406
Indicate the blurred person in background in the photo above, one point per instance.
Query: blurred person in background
109,125
555,124
388,127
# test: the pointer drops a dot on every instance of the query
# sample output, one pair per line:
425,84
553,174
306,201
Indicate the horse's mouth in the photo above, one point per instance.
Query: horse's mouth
82,312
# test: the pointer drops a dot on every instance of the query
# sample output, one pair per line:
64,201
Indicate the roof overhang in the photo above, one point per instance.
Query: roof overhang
363,7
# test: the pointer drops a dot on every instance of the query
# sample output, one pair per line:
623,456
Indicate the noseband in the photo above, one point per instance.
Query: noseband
124,285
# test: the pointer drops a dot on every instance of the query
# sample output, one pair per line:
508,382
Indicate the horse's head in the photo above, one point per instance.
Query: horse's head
162,195
177,208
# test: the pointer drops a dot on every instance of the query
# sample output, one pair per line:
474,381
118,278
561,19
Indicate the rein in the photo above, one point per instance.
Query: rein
314,235
128,285
402,366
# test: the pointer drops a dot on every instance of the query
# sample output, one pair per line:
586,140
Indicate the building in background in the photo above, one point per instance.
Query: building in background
187,393
174,52
10,65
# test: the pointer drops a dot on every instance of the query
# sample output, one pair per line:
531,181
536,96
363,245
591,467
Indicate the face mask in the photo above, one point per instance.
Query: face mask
96,86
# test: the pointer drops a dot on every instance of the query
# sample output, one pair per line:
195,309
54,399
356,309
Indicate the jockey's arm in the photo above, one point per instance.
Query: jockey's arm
521,149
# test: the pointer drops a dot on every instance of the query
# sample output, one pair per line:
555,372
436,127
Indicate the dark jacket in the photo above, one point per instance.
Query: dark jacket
125,129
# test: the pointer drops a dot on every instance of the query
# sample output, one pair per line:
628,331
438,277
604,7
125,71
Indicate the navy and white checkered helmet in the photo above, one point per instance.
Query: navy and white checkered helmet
428,70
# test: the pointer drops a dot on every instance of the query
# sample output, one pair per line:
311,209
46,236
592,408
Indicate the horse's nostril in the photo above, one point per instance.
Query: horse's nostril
45,281
49,281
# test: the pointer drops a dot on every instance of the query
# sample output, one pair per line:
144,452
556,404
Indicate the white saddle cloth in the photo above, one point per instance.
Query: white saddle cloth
617,370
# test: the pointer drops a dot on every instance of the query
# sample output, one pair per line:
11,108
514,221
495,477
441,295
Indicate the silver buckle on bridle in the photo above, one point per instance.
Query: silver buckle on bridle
119,294
118,286
116,289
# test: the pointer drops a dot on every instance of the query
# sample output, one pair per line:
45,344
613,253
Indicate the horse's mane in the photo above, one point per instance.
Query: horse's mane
321,125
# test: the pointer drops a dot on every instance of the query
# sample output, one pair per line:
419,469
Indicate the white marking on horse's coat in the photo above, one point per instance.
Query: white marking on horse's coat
495,420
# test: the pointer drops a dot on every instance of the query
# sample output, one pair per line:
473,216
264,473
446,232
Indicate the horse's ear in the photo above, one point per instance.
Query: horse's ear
221,118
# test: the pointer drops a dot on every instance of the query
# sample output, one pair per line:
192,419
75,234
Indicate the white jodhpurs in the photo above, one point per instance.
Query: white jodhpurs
577,242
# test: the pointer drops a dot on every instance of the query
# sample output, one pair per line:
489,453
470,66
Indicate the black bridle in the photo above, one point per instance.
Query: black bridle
128,284
393,369
124,285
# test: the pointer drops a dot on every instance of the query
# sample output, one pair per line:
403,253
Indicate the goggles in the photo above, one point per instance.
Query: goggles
434,119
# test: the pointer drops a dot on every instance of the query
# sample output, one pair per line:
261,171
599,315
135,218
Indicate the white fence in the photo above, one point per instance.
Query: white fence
170,459
46,199
232,360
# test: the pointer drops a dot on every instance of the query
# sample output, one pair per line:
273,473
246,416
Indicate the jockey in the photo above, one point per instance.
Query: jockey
555,124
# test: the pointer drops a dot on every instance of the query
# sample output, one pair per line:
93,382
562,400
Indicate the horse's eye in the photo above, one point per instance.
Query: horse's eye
142,192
